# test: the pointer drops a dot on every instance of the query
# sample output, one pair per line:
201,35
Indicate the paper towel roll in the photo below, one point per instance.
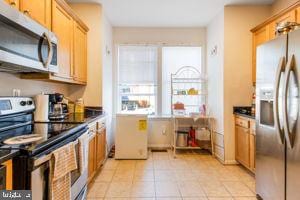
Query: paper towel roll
41,108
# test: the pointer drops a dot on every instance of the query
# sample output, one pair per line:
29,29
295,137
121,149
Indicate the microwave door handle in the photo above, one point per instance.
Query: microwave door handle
50,51
278,126
289,134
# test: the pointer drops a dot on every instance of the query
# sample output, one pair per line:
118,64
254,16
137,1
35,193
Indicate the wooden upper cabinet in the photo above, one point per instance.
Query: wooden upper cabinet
288,17
259,37
80,54
14,3
62,26
39,10
298,15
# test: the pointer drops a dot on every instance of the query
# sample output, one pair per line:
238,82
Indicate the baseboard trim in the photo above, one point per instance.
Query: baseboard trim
231,162
167,146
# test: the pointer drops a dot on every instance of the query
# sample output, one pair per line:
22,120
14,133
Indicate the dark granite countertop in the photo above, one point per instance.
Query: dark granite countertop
8,154
91,114
244,111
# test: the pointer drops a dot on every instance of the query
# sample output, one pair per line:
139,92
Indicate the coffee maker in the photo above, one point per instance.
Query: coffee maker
57,109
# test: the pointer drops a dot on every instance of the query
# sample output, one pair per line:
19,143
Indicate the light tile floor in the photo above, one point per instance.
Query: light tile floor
190,176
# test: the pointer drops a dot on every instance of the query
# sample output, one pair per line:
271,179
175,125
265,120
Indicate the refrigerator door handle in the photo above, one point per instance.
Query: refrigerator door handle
288,130
278,126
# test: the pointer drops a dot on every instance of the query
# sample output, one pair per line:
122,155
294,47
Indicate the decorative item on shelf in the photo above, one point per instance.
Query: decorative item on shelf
192,137
182,138
192,91
178,106
202,110
186,84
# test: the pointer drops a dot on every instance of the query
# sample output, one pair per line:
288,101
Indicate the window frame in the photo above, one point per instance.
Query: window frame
158,109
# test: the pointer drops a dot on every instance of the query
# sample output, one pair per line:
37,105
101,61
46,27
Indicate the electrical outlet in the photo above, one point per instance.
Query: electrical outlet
16,92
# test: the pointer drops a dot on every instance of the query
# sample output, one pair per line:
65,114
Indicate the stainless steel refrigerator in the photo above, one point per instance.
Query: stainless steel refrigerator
278,119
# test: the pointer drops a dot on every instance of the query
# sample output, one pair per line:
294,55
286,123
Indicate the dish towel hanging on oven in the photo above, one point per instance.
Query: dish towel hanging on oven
83,152
63,161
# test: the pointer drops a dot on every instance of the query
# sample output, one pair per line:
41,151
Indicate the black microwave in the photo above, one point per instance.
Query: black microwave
25,45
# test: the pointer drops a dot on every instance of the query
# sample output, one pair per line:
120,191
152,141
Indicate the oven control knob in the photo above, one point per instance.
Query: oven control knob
29,103
23,103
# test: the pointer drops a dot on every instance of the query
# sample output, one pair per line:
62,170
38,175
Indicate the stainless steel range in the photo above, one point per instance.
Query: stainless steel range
35,143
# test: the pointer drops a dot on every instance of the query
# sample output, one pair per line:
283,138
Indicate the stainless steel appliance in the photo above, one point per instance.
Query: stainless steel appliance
25,45
35,143
57,109
277,118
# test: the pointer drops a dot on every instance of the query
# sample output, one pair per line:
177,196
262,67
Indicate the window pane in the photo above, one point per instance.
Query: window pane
173,58
137,79
137,64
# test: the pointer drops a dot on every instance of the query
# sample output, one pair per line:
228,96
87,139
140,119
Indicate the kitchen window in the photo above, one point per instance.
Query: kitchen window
137,79
144,76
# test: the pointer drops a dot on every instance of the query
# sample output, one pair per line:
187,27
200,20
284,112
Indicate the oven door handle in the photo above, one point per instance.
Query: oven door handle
47,157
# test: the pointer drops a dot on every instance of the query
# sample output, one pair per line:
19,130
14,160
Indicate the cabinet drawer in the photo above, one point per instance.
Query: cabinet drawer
242,122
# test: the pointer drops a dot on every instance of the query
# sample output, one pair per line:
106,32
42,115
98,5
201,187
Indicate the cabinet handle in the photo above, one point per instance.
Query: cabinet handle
26,12
13,3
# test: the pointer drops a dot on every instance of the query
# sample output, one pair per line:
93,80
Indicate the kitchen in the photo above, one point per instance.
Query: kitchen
89,52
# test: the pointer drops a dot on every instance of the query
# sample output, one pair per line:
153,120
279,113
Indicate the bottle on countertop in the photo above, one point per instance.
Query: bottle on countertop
79,106
253,104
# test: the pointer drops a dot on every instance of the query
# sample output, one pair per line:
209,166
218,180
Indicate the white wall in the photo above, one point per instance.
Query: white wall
92,16
159,132
107,85
238,90
230,70
215,67
8,82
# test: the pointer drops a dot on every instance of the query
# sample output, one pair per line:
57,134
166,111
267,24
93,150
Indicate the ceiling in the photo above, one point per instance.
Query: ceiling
166,13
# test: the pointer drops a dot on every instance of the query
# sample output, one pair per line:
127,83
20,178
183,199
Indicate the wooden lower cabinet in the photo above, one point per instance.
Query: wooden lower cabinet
97,150
252,152
245,142
9,174
92,163
242,145
101,147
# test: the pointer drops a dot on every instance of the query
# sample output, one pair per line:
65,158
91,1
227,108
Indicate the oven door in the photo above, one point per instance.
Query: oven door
25,45
78,179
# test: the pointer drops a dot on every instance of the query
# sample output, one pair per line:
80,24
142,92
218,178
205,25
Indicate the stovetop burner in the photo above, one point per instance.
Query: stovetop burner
23,139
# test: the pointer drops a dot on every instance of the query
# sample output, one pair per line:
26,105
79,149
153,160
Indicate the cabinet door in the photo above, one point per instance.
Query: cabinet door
298,15
242,146
14,3
39,10
92,157
80,53
99,150
288,17
252,152
62,26
9,174
259,37
103,141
